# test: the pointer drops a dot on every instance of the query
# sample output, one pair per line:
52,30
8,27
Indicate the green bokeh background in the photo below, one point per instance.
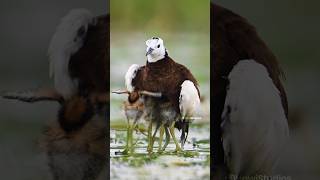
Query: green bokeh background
186,35
160,16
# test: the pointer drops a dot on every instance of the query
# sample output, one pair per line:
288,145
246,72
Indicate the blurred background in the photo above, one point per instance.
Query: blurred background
291,30
25,33
184,27
185,36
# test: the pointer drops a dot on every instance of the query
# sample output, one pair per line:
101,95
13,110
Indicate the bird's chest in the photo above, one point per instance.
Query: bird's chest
156,81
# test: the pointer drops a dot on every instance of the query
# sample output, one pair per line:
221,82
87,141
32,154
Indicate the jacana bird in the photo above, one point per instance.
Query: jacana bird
75,143
249,103
180,96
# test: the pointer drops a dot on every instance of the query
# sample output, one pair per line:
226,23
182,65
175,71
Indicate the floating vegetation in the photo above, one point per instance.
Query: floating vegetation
195,158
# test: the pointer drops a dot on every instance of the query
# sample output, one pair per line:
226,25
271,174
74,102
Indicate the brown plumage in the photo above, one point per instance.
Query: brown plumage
77,148
234,39
165,76
90,64
78,154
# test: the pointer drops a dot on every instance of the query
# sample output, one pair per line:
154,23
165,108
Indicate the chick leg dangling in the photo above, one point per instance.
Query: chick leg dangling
178,148
167,138
161,138
149,149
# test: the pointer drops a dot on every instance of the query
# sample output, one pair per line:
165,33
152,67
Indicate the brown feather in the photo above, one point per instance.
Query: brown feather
234,39
78,154
90,64
165,76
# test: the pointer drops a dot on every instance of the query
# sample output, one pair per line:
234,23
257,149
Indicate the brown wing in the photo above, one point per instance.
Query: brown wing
234,39
165,76
90,65
186,75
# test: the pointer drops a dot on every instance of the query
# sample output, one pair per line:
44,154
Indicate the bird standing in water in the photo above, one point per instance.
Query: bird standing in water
180,96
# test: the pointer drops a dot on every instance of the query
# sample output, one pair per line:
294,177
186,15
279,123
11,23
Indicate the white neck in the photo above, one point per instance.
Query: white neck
152,59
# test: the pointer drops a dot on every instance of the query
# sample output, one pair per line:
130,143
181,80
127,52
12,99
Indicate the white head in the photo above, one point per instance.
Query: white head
155,49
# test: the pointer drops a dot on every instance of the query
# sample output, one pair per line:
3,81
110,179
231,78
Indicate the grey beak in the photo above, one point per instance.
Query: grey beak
149,51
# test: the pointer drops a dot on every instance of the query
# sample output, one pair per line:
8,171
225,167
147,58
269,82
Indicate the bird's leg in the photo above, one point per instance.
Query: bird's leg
149,136
178,148
167,138
131,128
154,136
126,149
161,138
135,122
129,147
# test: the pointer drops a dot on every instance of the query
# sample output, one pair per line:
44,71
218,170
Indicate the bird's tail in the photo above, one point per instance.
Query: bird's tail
66,41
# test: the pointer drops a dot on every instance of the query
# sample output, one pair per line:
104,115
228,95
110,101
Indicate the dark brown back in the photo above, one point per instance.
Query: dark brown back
234,39
91,63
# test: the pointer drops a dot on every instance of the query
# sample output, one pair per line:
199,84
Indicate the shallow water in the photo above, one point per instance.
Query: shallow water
192,164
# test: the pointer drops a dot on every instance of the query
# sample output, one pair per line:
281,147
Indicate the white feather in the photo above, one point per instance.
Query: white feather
254,124
158,53
130,75
65,43
189,101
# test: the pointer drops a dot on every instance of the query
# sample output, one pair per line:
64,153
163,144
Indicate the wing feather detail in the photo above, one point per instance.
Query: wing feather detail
66,41
130,75
189,100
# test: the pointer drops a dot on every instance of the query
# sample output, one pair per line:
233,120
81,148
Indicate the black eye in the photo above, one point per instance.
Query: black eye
81,32
158,46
